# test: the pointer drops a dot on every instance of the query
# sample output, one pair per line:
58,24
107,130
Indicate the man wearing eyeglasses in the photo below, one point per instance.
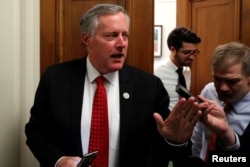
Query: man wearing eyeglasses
182,44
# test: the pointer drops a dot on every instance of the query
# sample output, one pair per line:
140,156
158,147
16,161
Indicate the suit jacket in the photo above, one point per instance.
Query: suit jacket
54,126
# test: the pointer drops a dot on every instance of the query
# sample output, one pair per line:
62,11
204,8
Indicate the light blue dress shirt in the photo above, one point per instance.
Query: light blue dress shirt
238,119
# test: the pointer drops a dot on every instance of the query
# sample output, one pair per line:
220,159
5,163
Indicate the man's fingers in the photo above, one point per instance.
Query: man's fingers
158,119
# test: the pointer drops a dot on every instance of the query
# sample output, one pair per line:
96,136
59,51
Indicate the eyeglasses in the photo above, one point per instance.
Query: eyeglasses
190,52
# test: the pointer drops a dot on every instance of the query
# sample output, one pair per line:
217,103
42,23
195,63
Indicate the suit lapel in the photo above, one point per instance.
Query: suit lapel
126,85
77,86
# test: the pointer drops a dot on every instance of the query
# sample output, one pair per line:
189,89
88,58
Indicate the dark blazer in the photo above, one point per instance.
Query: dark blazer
54,126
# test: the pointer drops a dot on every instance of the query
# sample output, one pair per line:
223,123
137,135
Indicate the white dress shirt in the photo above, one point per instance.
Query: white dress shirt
112,88
169,77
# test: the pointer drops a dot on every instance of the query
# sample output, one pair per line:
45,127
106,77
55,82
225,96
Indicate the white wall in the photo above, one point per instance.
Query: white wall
165,15
19,74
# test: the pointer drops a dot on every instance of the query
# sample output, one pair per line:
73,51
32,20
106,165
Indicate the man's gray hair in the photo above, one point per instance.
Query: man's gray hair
232,53
89,20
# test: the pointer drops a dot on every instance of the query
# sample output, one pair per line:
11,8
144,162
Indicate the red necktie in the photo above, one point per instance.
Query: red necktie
99,135
211,146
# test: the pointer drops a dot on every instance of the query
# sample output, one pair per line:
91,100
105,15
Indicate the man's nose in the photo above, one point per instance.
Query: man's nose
121,42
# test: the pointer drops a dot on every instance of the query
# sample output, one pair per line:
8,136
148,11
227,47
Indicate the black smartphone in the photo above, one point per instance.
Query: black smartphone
183,92
87,159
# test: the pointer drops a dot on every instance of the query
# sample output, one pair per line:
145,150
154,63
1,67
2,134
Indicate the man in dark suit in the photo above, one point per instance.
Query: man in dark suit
141,128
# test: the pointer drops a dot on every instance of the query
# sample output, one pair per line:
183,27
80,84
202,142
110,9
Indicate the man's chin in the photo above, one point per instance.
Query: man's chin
188,64
116,68
117,65
225,99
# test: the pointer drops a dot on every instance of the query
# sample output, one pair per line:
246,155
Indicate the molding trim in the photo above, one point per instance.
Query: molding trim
29,69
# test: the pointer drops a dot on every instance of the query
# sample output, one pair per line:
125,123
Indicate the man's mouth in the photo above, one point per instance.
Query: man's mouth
225,95
117,55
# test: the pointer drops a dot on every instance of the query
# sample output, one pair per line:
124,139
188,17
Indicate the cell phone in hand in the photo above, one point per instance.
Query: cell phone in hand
183,92
87,159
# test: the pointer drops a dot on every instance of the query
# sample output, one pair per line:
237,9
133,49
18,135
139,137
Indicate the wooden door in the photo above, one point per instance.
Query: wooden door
216,22
245,22
60,31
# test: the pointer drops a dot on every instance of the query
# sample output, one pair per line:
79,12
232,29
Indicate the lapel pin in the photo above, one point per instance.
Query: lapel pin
126,95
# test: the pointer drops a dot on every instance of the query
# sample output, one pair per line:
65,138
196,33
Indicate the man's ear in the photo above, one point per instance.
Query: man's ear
85,39
172,49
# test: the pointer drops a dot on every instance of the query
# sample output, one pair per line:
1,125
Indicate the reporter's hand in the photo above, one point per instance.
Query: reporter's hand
214,117
67,161
177,128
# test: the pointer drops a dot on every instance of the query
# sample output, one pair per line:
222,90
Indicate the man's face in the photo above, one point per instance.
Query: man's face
185,55
108,46
230,83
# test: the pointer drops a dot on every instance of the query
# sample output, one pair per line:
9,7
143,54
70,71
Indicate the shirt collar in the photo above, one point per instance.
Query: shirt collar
174,67
171,64
242,103
92,73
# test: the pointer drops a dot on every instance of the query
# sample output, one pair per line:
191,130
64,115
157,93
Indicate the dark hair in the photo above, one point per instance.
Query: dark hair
182,34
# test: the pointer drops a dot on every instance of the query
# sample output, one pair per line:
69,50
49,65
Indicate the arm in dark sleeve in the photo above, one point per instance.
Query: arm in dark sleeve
40,127
162,151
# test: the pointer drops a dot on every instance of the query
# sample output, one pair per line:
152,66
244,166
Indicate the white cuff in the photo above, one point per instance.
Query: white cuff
177,145
236,146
